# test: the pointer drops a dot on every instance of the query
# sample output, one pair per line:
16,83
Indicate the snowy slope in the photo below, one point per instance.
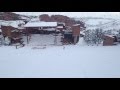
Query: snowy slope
102,23
76,14
97,21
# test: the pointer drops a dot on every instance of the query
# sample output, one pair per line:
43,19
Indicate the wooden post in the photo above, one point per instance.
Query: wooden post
55,41
75,32
27,35
75,39
27,40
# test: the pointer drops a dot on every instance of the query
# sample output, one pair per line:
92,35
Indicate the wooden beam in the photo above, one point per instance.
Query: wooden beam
55,41
27,32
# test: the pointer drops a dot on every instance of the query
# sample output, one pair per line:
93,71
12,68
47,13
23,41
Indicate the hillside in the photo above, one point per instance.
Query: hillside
60,18
12,16
44,17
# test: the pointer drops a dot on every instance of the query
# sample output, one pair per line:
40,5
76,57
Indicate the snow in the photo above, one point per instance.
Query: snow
0,30
76,14
15,30
42,57
97,21
59,26
113,25
112,36
92,28
26,18
76,24
35,19
7,41
50,29
74,61
61,23
82,32
43,40
12,23
41,24
114,32
1,36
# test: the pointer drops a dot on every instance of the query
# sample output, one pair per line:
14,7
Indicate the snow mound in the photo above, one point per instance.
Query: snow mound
81,42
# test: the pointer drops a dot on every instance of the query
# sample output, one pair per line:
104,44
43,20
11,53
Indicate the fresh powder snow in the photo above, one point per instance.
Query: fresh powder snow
68,61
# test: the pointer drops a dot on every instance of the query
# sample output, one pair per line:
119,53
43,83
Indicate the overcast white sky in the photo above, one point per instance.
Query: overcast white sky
76,14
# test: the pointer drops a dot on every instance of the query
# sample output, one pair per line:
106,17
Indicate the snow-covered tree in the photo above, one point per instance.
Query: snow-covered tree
109,32
93,36
98,36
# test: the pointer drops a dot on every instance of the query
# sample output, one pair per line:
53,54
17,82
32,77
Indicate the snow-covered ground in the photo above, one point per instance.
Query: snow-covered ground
71,61
97,21
43,40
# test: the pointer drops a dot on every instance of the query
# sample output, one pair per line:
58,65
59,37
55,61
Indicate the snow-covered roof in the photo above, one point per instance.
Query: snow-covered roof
50,29
25,18
61,23
41,24
97,21
15,30
76,24
59,26
35,19
12,23
112,36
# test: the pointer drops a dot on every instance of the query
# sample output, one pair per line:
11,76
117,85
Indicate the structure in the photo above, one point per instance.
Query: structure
71,35
12,30
40,28
109,40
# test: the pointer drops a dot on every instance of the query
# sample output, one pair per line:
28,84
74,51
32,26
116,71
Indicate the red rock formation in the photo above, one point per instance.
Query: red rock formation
45,17
60,18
